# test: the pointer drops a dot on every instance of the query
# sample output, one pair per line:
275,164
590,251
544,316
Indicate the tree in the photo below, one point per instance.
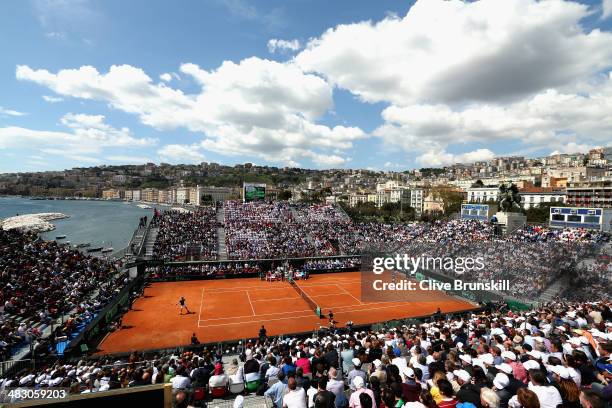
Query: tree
284,195
539,213
478,184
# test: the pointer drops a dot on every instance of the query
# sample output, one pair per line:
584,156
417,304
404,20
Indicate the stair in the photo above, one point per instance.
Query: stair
307,235
222,249
150,241
553,290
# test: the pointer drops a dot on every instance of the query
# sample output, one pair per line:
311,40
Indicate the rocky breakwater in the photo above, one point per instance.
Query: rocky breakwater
32,222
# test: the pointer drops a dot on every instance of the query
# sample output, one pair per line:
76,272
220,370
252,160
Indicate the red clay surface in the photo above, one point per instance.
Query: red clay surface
236,308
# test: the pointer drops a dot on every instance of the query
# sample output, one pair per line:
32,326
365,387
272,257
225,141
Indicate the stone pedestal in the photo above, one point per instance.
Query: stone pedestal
510,222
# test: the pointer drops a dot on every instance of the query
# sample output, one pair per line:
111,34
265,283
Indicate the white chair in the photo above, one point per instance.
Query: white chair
236,388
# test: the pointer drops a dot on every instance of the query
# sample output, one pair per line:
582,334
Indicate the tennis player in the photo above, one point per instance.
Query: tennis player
183,305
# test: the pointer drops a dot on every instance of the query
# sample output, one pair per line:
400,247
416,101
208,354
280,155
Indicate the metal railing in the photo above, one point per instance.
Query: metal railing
14,366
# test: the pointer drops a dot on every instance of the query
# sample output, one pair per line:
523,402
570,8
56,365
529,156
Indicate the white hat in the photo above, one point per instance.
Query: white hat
356,362
509,355
463,375
408,372
535,354
561,371
531,365
500,381
505,367
466,357
358,382
487,359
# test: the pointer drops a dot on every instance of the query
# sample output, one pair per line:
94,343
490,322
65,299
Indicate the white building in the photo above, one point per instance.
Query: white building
482,194
132,195
355,199
182,195
417,200
532,197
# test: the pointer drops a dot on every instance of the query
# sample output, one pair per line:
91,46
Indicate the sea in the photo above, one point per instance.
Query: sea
101,223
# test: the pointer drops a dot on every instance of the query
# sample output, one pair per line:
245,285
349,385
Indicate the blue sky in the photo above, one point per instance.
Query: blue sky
388,84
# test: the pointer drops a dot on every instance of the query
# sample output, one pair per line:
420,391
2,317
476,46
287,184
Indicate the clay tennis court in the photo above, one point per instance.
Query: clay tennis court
236,308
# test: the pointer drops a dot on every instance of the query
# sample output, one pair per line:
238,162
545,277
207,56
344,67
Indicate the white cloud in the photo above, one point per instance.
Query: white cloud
52,99
55,35
275,44
606,9
71,155
175,153
550,119
129,159
10,112
166,77
442,158
255,107
88,136
454,51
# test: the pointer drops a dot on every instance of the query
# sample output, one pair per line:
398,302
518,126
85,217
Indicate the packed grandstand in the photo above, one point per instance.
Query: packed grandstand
546,355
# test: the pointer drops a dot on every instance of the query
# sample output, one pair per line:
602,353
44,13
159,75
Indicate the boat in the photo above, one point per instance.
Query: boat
83,245
94,249
105,250
60,237
143,206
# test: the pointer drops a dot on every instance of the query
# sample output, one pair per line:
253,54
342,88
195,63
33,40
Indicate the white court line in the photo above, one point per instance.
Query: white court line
295,316
250,303
326,294
316,284
245,288
338,309
275,299
264,314
201,304
348,293
260,320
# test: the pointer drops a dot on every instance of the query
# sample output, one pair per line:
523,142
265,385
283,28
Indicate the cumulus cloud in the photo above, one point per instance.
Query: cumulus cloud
52,99
166,77
176,153
10,112
454,51
606,9
256,107
274,44
475,72
128,159
442,158
550,119
87,136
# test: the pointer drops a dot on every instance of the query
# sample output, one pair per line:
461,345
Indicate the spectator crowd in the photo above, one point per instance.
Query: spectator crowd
557,355
43,280
186,233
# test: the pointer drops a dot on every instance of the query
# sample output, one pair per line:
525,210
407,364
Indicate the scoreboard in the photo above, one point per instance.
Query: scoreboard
581,217
253,192
482,212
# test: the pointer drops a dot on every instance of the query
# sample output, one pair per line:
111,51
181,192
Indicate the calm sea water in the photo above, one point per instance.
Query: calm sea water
103,223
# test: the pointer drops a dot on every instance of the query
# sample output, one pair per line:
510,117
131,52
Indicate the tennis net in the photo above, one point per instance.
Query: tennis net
313,305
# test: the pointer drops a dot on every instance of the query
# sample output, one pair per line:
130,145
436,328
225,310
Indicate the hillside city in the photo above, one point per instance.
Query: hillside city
581,179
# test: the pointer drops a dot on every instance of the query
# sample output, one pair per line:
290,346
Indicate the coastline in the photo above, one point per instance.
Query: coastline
37,222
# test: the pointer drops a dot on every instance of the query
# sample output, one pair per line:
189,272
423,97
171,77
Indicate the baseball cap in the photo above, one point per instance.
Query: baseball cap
504,367
500,381
463,375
